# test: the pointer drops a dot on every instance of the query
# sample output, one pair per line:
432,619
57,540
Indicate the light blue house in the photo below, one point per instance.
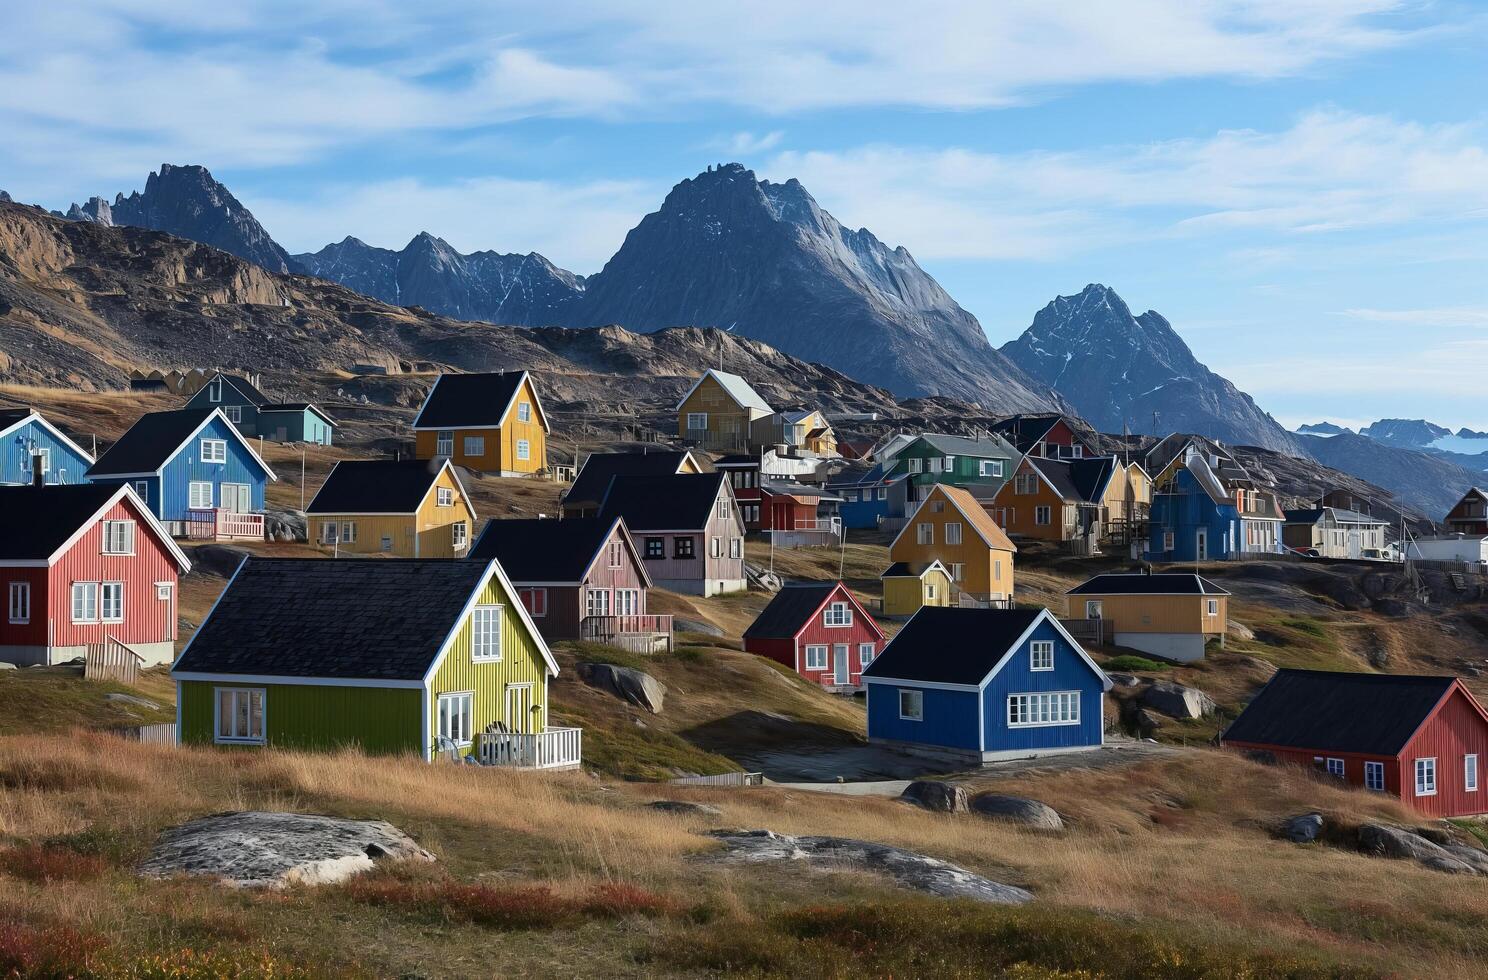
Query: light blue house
24,436
195,472
256,415
977,685
869,496
1211,510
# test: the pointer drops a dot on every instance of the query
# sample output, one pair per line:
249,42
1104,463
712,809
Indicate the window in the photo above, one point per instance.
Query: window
524,411
1042,710
1094,609
865,654
616,553
19,605
475,445
240,715
1374,776
234,413
85,602
991,467
142,490
1470,773
444,497
112,600
929,591
456,715
958,571
214,390
924,534
386,543
937,507
997,569
1041,653
1077,451
953,532
684,547
328,532
816,657
837,614
722,507
444,443
1167,541
883,493
627,602
199,495
1335,768
1043,514
912,705
524,449
118,537
697,420
750,512
850,496
214,450
916,465
1425,777
736,547
485,633
1213,607
536,601
715,547
655,548
163,591
348,532
596,602
459,534
937,464
1025,483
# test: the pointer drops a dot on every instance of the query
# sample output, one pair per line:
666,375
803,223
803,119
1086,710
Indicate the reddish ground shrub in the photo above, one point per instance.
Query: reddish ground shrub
515,907
41,864
52,951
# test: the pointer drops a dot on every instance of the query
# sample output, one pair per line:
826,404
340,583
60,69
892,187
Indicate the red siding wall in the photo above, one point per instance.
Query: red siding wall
147,619
785,650
33,634
1455,730
1353,763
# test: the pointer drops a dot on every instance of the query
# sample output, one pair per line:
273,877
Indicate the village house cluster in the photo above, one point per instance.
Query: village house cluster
429,633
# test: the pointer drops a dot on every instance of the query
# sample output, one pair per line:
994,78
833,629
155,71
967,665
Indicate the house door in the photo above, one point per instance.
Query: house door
841,666
1093,609
237,498
165,594
1201,544
519,708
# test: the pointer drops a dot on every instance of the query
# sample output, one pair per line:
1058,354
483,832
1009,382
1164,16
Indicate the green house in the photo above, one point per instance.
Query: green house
933,458
428,657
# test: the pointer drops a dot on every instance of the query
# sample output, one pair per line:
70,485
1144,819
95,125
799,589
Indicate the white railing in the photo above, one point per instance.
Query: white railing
638,633
214,523
556,748
832,526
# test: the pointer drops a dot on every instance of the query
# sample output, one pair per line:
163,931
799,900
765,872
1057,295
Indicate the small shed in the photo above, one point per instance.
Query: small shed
819,630
1172,615
908,587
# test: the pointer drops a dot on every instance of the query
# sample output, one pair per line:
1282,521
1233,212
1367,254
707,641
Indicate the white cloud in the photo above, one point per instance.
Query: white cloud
745,143
1446,316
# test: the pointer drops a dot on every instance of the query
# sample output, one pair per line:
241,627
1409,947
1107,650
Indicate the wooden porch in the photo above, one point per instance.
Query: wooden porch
216,524
1087,630
639,633
556,748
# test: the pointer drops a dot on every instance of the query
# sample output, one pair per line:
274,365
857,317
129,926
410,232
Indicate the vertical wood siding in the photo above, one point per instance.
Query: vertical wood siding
950,717
187,467
378,720
1070,673
980,575
15,456
1455,730
904,596
1155,613
720,406
512,429
814,632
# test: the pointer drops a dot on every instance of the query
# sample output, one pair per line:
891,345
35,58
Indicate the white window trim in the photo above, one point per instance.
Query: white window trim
693,422
456,698
1213,607
459,535
234,413
1341,767
918,699
444,497
498,611
1044,511
1373,768
1008,709
811,661
1470,785
18,603
1037,647
102,587
866,653
213,451
524,411
832,607
348,532
524,449
479,443
924,533
72,596
191,495
263,701
953,526
536,591
107,526
1421,766
142,490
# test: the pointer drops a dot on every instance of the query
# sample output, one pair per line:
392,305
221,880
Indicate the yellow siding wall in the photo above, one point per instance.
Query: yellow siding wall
435,523
904,596
728,424
1155,613
988,571
435,538
500,443
369,533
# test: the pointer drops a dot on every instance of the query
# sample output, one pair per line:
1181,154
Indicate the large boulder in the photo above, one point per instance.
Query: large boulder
681,625
1019,810
256,849
1239,630
1397,842
685,808
934,794
217,559
1120,679
1177,700
286,525
626,683
1303,828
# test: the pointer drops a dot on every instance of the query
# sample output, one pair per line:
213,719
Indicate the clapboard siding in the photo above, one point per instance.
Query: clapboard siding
950,717
377,720
66,466
1070,673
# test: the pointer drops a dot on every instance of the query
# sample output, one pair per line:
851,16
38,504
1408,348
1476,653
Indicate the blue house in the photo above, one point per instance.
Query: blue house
979,685
1208,514
869,496
255,414
25,435
195,472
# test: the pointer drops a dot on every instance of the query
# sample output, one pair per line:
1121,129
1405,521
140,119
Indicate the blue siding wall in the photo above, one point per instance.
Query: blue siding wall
1070,673
1184,512
187,467
950,717
304,426
16,447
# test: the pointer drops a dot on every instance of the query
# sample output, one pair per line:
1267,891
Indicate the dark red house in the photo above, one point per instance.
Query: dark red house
819,630
580,579
83,565
1421,739
1048,436
1470,514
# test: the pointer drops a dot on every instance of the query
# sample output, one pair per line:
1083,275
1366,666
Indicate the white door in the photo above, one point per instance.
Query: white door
237,498
841,667
1201,544
519,708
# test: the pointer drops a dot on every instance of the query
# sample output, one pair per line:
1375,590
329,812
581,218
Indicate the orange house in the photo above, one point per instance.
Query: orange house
493,423
951,527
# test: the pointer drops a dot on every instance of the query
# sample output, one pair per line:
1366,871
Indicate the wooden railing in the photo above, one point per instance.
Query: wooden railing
111,661
215,524
161,734
1087,630
638,633
556,748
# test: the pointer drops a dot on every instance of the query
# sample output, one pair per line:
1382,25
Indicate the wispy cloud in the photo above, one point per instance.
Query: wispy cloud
746,144
1445,316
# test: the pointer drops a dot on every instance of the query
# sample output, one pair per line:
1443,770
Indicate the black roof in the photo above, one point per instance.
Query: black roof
149,442
458,400
247,389
36,521
790,608
1375,714
949,645
1162,583
376,486
369,618
10,416
1024,431
682,501
594,479
1076,479
543,550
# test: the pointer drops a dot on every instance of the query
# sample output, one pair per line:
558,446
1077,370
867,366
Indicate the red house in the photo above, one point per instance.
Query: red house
1421,739
1047,436
83,565
818,630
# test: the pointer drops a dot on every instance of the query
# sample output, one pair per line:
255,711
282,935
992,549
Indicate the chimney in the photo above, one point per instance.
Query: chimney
38,478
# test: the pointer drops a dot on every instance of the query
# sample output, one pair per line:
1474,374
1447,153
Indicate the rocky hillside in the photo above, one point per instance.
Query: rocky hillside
1118,369
1426,481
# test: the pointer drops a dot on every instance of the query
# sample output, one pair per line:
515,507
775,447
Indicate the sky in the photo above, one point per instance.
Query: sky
1299,186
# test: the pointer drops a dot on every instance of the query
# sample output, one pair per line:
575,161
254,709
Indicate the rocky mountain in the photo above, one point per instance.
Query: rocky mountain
1118,369
1322,429
189,202
427,272
1423,480
1415,433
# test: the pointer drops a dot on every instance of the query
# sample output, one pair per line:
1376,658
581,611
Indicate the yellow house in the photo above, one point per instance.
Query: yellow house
493,423
1172,615
798,429
719,412
951,527
905,591
398,508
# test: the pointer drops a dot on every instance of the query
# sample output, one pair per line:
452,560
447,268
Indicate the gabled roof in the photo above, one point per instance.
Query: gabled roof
14,418
1082,480
599,469
856,476
350,619
992,448
796,604
1375,714
244,387
903,569
1136,583
39,524
155,440
551,552
962,647
298,407
1314,514
470,401
382,486
972,512
1025,431
735,387
679,502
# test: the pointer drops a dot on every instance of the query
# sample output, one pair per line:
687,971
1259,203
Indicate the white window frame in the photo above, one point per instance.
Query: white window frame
524,449
925,533
86,610
534,597
348,532
1213,607
124,530
597,602
837,615
1337,767
911,704
816,656
194,495
883,493
233,736
213,451
1425,770
697,421
473,445
459,535
1046,709
736,547
627,602
142,490
1041,655
485,633
1374,776
1095,609
1043,515
715,547
456,711
916,464
866,653
330,532
444,442
1470,772
18,603
105,589
953,532
991,467
615,554
234,413
958,571
524,411
444,497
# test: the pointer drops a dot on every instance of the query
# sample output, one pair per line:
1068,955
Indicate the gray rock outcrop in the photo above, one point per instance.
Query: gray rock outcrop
1303,828
682,625
286,525
1397,842
685,808
626,683
257,849
937,795
906,868
1177,700
1019,810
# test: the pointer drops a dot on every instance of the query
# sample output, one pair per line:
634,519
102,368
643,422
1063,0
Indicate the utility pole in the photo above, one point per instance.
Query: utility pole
302,477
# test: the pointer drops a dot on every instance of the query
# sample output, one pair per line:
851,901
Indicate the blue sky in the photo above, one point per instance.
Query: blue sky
1300,186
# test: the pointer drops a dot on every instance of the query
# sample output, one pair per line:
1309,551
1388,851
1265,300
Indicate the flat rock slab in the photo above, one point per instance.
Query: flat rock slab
906,868
257,849
685,808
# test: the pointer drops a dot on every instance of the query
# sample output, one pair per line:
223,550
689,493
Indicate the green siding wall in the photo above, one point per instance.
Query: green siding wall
379,720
